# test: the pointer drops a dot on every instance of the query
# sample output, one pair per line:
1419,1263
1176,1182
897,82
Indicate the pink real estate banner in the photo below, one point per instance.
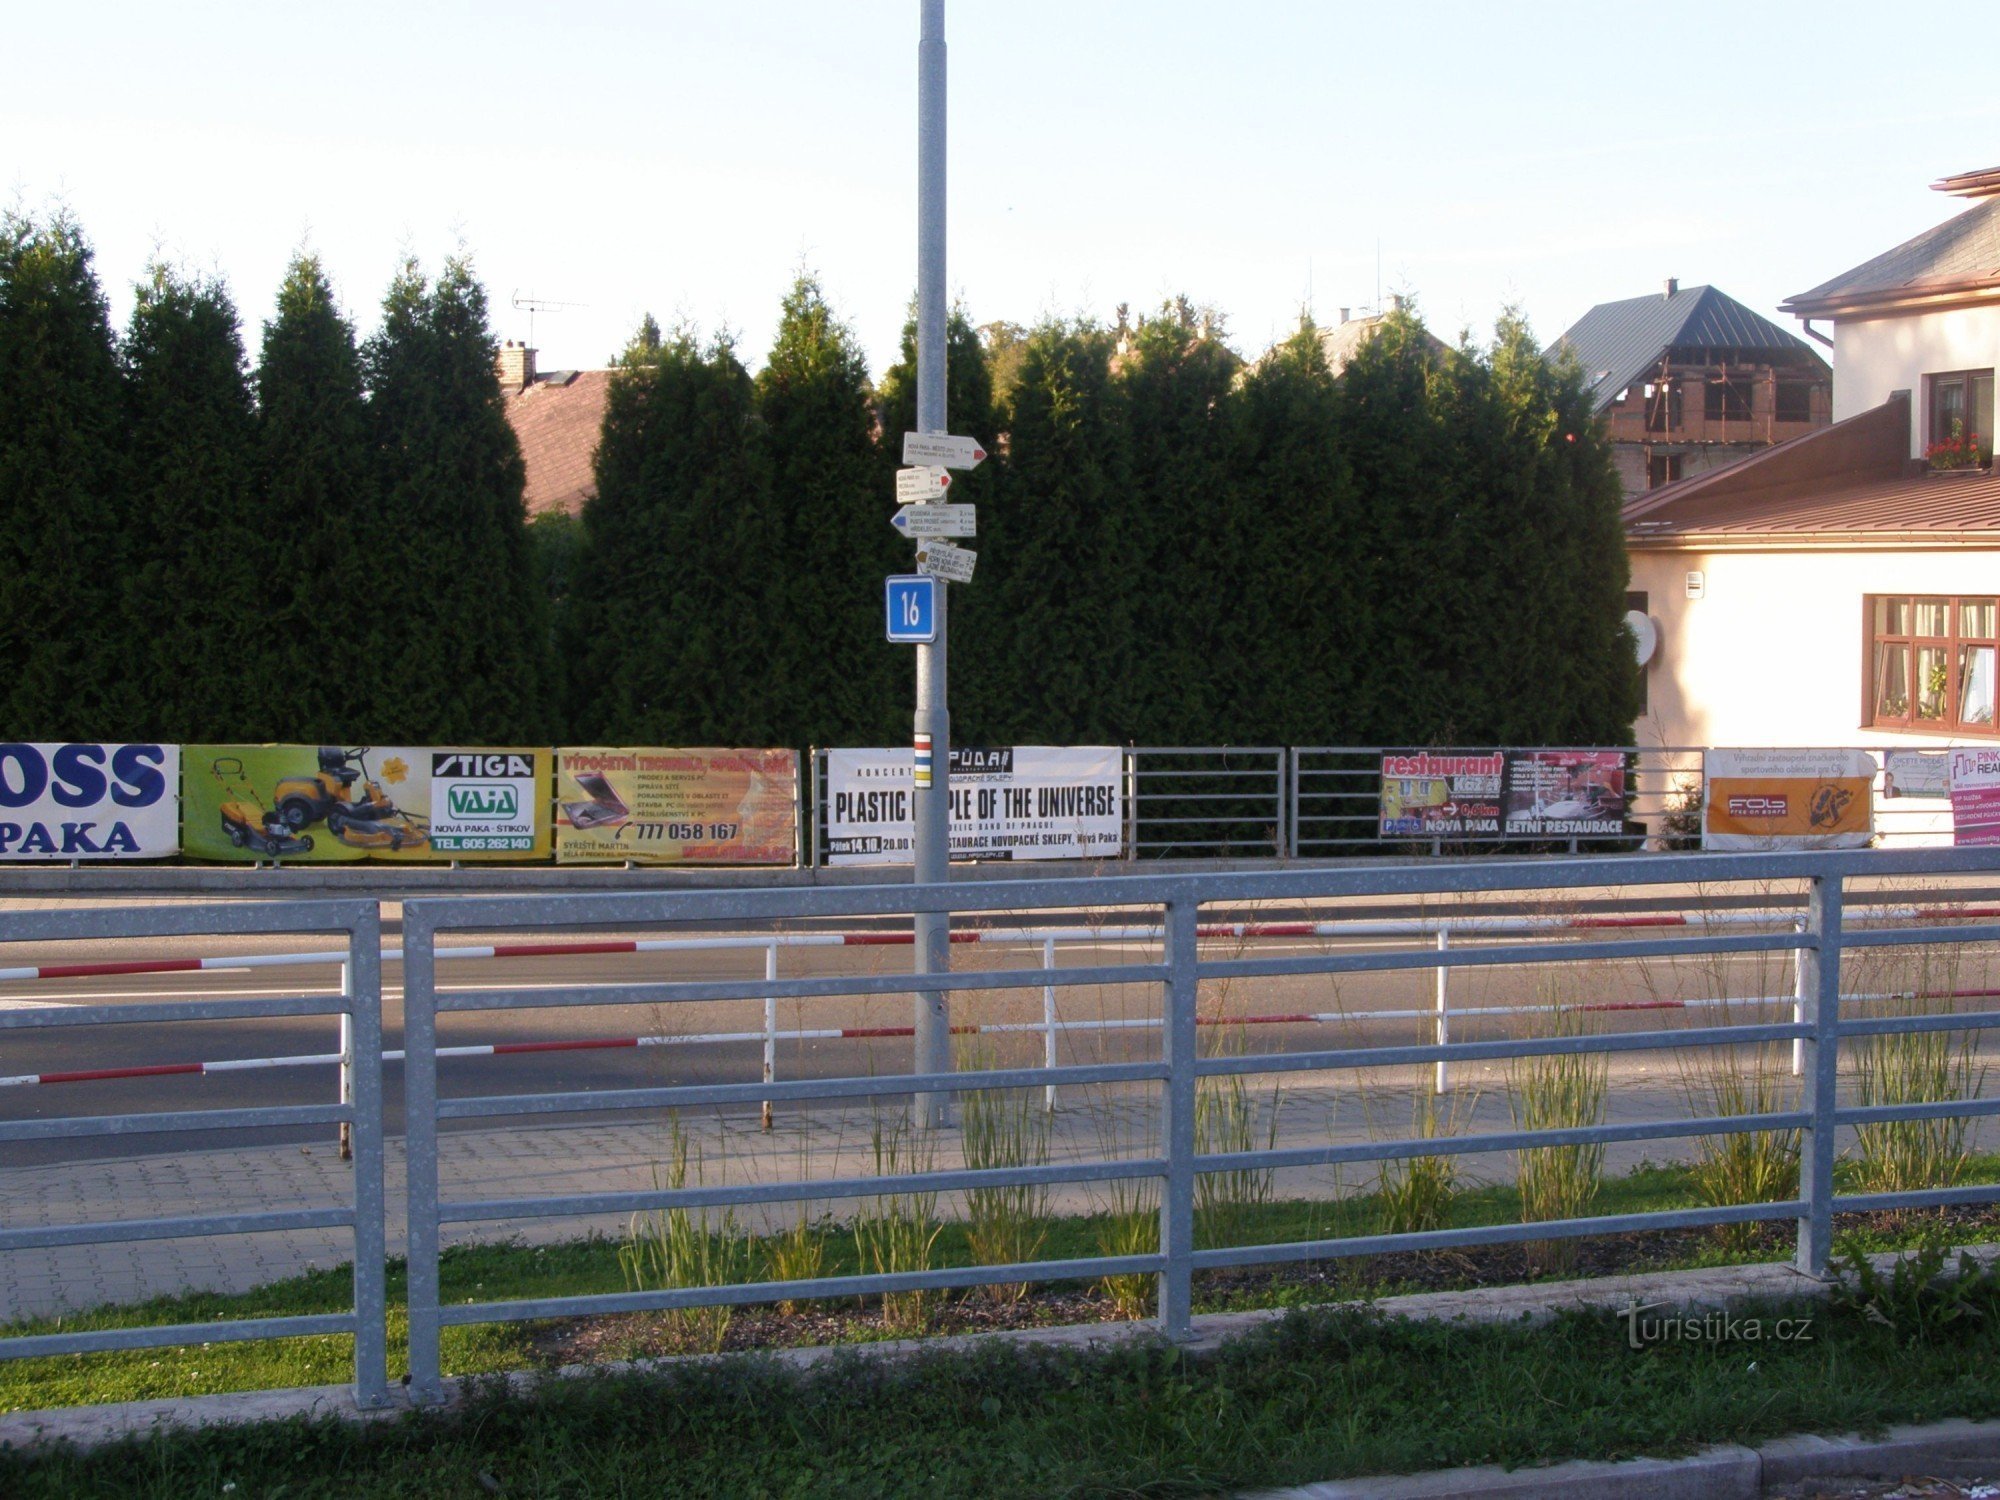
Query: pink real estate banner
1975,796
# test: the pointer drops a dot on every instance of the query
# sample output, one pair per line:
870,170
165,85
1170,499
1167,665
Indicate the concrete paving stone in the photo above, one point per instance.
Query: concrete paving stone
1727,1472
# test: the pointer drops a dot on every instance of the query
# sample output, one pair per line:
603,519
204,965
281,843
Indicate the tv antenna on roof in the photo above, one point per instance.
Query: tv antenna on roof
531,304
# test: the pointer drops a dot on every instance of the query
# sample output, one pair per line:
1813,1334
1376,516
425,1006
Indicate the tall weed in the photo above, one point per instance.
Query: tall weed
1004,1225
1558,1091
898,1232
677,1247
1915,1067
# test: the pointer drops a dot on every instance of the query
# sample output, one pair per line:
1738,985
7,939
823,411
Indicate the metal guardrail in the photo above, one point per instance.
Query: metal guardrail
1819,940
357,1110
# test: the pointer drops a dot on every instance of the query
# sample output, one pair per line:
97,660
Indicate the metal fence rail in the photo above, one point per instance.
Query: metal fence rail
357,1108
1178,971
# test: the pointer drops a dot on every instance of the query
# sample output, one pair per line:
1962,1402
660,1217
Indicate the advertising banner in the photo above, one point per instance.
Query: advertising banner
1441,794
334,804
1915,773
654,805
89,801
1975,796
1788,799
1007,802
1565,794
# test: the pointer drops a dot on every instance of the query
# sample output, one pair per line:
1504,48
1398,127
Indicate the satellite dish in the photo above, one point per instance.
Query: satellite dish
1645,632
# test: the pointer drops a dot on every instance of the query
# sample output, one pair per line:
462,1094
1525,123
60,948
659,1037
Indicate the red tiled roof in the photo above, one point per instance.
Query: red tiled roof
1852,482
557,427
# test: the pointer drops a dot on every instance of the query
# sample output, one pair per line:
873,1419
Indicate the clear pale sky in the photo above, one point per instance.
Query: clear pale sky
688,159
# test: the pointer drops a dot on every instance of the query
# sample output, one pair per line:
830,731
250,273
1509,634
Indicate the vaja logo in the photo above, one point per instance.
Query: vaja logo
489,800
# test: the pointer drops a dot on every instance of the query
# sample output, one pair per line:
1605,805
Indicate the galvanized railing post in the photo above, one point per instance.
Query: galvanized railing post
1798,1004
1280,825
1131,802
361,1088
420,1141
1049,1020
346,1085
1292,803
1443,1080
770,1026
1179,1040
1819,988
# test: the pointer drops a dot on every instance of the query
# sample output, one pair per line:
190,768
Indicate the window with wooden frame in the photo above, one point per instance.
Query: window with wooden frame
1930,662
1960,404
1727,400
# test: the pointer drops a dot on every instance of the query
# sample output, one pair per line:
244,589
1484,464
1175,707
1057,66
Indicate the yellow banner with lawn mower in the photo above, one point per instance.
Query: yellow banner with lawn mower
329,804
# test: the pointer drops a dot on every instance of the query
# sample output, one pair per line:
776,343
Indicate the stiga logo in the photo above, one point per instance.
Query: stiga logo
1759,807
450,763
484,800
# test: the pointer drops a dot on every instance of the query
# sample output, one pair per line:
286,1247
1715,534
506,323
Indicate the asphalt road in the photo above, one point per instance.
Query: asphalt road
1410,994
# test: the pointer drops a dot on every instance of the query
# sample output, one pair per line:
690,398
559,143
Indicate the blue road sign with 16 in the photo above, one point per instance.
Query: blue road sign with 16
912,607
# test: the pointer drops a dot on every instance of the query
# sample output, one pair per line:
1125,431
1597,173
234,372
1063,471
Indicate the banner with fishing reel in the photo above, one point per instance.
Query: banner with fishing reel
335,804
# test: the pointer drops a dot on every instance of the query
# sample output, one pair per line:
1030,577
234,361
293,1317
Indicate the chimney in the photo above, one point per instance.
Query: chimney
515,366
1395,302
1673,285
1344,313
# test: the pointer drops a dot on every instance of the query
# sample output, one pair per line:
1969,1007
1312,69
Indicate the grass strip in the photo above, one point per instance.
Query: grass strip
1318,1395
586,1266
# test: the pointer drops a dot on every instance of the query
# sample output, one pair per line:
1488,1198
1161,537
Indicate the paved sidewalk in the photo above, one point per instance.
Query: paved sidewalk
547,1160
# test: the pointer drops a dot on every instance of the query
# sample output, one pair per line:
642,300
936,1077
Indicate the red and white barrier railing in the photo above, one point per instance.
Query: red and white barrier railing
1049,1027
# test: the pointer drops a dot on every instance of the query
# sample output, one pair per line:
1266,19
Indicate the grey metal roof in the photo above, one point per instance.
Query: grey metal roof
1618,342
1965,248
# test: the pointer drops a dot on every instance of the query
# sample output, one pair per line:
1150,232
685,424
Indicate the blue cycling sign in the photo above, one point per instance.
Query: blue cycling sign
912,609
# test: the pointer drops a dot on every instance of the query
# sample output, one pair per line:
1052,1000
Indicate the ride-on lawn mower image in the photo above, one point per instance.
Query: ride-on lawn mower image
246,822
360,816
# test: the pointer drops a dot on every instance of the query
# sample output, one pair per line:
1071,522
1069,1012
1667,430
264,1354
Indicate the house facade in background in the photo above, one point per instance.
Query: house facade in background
1843,589
1690,380
556,416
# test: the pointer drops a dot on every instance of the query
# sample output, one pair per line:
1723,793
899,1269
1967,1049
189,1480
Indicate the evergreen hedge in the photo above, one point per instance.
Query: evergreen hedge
1176,547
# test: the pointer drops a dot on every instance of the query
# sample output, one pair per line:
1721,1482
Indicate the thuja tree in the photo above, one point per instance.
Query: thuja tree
1298,631
834,680
1062,632
1184,524
203,560
73,667
1549,457
323,629
669,613
461,605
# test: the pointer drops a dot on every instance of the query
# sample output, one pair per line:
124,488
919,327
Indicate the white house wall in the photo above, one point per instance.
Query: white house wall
1876,356
1773,652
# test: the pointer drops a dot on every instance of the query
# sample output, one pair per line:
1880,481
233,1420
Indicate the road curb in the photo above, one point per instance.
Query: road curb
1957,1448
1725,1472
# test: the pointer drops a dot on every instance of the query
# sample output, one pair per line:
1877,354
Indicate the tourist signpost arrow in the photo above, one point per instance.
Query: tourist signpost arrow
919,521
943,560
925,482
942,448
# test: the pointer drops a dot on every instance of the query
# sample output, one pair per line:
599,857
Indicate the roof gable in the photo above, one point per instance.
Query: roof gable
1961,253
1618,342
